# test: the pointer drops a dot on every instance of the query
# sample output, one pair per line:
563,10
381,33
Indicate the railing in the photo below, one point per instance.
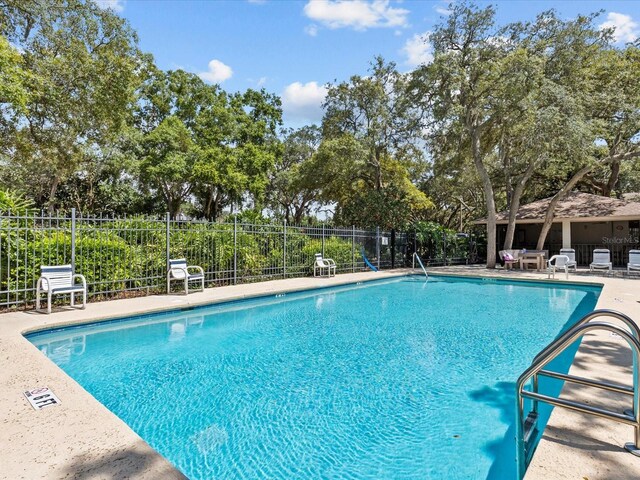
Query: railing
524,428
128,256
416,257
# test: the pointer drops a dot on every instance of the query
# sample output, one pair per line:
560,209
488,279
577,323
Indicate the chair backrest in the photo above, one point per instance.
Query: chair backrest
501,253
177,263
560,260
319,260
634,257
569,252
601,255
57,276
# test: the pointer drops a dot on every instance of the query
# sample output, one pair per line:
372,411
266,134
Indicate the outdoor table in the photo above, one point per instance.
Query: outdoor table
532,258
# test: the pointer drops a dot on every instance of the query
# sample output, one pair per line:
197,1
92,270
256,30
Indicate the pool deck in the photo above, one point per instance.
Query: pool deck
81,439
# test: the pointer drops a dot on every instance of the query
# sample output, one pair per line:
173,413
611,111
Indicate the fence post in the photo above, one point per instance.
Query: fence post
284,249
353,248
168,224
444,247
378,246
73,240
393,248
323,240
235,249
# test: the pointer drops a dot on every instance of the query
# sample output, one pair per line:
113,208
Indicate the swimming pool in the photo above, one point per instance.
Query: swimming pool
389,379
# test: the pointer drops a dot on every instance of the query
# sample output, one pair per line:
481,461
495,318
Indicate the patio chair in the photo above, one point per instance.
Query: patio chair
571,253
322,264
601,259
634,261
179,270
508,259
558,262
60,279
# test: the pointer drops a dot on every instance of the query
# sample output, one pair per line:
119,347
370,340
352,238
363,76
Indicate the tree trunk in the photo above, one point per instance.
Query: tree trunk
489,199
613,179
551,209
514,204
52,194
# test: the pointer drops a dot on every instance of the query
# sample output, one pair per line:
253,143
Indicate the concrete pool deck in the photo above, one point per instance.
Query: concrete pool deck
82,439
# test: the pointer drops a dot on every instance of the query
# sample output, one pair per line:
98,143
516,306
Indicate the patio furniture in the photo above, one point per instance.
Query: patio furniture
179,270
634,261
509,258
558,262
601,260
532,258
323,264
571,253
60,279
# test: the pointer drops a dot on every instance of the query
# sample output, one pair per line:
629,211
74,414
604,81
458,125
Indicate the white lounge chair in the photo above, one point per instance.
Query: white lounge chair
323,264
634,261
178,270
601,259
558,262
57,280
571,253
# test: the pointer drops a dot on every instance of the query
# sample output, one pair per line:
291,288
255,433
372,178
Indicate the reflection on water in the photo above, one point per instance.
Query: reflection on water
61,350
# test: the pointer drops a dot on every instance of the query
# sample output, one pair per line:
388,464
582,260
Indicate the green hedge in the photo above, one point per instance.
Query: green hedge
131,254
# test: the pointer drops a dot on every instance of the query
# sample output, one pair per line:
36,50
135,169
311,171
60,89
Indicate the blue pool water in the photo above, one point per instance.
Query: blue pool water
396,379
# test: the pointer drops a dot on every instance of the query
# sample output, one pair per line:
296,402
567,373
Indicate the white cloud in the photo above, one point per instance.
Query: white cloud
357,14
626,30
303,101
311,30
115,5
257,2
218,72
261,81
442,10
418,50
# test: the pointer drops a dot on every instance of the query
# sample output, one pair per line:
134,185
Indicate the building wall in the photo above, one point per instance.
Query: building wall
591,232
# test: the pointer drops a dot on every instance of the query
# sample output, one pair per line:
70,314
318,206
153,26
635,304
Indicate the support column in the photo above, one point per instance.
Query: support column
566,233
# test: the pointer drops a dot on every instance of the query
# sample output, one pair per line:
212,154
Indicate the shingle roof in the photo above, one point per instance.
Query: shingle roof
575,205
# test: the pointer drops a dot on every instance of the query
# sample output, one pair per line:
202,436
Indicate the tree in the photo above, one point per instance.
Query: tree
169,154
610,96
235,135
238,138
81,64
370,142
293,189
458,88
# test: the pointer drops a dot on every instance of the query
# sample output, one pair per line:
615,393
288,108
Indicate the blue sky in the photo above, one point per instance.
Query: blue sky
293,48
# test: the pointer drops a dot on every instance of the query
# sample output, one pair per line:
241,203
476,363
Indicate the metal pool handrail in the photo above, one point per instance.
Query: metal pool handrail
415,256
552,351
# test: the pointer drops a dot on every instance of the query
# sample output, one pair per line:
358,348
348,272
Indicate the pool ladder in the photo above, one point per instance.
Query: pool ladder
416,257
526,428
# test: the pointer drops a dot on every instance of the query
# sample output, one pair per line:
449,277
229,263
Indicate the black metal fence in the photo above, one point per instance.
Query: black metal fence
129,256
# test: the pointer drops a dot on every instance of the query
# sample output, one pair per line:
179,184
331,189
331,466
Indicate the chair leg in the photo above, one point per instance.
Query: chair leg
84,299
186,286
73,299
49,302
37,300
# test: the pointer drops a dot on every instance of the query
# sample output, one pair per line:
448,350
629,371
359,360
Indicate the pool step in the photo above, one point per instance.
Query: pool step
530,433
